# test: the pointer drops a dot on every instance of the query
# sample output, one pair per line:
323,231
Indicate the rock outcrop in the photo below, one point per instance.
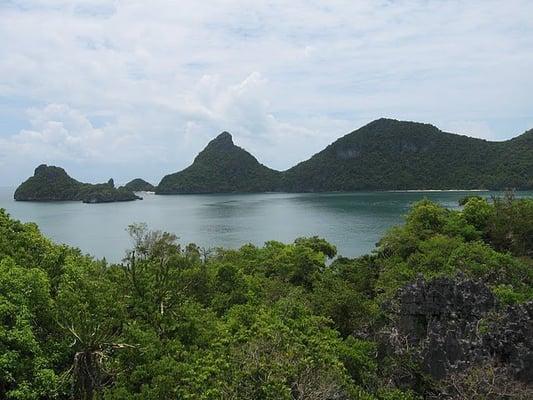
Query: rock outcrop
509,337
452,325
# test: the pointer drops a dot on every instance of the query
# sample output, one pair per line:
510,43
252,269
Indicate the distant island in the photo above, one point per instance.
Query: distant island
51,183
139,185
222,167
385,154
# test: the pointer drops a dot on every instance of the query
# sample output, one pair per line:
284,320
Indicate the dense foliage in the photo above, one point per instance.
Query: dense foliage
48,183
389,154
271,322
221,167
51,183
383,155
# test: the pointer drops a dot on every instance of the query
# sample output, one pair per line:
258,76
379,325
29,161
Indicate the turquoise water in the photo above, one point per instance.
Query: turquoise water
354,222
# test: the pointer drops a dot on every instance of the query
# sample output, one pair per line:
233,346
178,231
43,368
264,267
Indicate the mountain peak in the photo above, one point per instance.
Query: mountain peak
384,120
139,185
44,170
223,142
224,137
221,167
40,169
395,123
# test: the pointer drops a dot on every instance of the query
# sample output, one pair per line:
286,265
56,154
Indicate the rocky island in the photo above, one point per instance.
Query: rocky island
51,183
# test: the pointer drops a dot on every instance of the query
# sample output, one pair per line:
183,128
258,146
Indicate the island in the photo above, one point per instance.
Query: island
222,167
139,185
385,154
51,183
388,154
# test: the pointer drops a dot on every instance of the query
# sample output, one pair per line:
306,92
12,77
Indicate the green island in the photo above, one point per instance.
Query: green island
50,183
139,185
385,154
442,309
222,167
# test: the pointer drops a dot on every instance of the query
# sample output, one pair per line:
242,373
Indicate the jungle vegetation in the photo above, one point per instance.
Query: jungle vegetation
279,321
385,154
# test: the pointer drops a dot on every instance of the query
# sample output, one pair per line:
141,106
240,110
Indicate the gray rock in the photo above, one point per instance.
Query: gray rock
451,325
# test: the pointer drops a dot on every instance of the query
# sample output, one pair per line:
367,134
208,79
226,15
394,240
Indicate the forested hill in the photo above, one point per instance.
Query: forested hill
388,154
51,183
222,167
139,185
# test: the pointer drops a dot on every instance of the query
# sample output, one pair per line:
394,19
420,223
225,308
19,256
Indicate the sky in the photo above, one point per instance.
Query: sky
126,89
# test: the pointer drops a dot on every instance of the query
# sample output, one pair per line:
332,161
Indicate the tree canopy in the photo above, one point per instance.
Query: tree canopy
279,321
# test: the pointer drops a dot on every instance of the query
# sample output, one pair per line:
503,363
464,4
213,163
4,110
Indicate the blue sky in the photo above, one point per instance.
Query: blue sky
134,88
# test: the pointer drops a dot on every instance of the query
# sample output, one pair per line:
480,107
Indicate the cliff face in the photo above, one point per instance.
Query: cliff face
453,325
50,183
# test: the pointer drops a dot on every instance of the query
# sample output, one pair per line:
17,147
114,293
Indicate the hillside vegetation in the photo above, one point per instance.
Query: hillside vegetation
221,167
139,185
383,155
50,183
441,310
392,155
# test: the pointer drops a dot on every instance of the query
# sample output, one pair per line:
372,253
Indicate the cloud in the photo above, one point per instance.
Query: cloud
59,132
103,84
240,107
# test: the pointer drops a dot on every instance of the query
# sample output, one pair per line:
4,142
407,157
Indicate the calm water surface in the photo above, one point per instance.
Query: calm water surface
354,222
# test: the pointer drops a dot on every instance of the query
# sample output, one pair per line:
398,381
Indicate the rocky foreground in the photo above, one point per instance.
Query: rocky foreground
453,326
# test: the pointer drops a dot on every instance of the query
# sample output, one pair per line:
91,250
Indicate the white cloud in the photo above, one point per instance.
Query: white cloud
59,132
110,81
